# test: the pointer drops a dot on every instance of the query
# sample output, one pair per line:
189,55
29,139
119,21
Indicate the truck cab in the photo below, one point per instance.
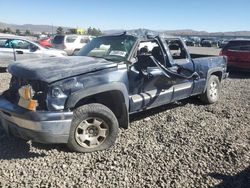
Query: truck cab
163,73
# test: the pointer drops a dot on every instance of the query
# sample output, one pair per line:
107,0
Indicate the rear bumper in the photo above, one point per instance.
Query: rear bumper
40,126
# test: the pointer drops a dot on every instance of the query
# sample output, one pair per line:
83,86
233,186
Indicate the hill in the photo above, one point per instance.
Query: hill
32,27
185,32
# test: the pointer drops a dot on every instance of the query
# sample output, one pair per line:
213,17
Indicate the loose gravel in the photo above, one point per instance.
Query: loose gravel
4,81
185,144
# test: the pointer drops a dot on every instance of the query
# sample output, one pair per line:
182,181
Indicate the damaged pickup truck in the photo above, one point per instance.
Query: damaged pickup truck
83,100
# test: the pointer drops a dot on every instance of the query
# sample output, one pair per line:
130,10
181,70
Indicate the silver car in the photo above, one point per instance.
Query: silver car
20,48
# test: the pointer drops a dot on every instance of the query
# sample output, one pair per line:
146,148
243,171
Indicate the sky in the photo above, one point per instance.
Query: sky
201,15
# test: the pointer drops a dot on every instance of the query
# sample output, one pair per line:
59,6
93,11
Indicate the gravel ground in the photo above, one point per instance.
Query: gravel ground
185,144
4,81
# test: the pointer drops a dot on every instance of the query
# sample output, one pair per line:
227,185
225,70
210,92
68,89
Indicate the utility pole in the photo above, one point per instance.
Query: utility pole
52,28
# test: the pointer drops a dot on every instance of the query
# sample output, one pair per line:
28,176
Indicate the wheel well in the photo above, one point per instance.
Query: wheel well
114,100
218,74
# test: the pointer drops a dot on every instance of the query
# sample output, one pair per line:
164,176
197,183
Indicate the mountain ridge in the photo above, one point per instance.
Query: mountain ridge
39,28
36,28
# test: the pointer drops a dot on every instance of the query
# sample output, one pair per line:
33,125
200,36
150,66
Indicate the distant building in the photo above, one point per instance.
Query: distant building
81,31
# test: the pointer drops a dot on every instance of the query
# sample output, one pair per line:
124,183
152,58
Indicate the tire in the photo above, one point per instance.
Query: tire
75,52
212,92
94,127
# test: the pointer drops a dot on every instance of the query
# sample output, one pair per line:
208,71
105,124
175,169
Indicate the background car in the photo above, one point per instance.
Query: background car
197,40
222,43
192,41
209,43
22,48
45,42
188,41
70,43
238,54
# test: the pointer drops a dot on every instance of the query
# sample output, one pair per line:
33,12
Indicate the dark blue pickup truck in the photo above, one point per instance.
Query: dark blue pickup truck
83,100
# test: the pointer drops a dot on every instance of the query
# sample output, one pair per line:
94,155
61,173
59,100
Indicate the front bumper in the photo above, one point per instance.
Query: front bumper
39,126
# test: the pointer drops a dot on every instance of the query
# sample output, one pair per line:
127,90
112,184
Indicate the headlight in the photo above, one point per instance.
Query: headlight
56,92
56,99
59,92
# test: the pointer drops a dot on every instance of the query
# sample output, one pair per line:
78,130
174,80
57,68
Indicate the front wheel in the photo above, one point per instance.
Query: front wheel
94,127
212,92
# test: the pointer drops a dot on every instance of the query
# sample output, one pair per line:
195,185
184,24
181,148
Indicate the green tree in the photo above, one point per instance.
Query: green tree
18,32
99,32
7,30
59,30
94,31
73,31
27,32
89,31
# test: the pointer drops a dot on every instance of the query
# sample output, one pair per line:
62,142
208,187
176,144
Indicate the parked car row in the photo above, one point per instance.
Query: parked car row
236,50
71,44
19,48
206,41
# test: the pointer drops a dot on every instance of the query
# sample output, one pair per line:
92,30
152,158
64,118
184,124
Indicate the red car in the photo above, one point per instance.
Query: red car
238,54
46,42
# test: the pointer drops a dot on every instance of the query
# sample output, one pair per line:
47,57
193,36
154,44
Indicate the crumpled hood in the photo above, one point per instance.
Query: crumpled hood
56,68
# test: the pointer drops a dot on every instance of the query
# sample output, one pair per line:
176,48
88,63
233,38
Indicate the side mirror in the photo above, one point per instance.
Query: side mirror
153,72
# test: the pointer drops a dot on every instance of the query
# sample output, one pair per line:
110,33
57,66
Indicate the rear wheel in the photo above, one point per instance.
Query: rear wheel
212,92
94,127
75,53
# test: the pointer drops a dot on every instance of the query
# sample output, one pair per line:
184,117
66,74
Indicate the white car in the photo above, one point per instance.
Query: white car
70,43
19,48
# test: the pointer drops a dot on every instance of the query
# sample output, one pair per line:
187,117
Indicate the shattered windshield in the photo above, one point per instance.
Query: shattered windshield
113,48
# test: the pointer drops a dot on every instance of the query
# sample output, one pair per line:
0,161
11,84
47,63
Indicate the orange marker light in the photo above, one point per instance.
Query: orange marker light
32,105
